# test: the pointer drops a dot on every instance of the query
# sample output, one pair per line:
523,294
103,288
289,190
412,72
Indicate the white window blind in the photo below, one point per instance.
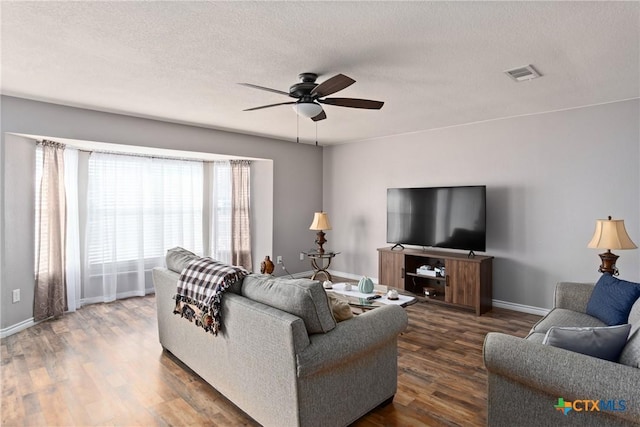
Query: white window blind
221,212
140,206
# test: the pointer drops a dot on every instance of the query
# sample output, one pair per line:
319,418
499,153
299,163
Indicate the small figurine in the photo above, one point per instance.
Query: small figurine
266,266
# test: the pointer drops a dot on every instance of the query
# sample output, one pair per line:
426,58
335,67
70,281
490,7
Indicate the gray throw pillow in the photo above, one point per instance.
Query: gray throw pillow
178,258
601,342
304,298
630,355
634,317
631,352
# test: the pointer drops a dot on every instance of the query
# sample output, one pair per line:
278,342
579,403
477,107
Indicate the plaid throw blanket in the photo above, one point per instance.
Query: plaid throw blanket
200,289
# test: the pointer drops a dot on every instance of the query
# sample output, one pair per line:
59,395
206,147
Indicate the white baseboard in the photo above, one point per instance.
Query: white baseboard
350,275
520,307
303,274
14,329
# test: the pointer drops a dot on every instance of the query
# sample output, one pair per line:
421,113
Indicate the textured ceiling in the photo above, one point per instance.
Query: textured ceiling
435,64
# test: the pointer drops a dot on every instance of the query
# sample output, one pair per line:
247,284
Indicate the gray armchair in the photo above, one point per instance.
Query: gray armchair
526,378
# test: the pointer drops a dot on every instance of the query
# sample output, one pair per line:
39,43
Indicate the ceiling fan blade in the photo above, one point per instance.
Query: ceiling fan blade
353,103
270,105
333,85
268,89
320,116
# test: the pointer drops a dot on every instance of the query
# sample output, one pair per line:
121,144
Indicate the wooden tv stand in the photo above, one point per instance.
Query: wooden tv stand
466,283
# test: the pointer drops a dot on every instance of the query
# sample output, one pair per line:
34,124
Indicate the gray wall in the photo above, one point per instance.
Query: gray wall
294,167
548,177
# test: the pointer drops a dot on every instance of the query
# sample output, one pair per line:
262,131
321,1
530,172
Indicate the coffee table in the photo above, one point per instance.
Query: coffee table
359,300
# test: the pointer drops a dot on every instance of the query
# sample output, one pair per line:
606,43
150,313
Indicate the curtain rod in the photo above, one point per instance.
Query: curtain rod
149,156
155,156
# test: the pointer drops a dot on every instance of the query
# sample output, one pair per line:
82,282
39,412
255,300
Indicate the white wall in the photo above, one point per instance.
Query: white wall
548,177
293,167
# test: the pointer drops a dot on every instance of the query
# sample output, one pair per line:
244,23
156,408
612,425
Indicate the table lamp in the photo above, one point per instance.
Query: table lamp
610,234
320,222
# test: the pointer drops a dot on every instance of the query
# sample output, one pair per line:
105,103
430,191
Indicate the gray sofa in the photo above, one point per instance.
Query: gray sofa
266,363
526,378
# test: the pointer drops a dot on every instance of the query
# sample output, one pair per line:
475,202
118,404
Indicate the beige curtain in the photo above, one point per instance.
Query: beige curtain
50,292
240,208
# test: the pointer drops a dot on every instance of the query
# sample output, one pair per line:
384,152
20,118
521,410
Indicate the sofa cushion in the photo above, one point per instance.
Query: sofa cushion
563,317
304,298
602,342
177,258
536,337
631,352
612,299
630,355
634,316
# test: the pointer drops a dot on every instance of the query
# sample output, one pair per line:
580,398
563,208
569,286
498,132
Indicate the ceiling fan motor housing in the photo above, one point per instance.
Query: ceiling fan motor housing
303,89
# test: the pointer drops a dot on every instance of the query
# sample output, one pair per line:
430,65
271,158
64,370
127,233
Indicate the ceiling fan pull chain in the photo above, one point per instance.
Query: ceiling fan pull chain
316,133
297,125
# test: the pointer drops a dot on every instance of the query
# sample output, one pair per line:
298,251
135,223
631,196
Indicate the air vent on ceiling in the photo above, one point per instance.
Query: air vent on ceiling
521,74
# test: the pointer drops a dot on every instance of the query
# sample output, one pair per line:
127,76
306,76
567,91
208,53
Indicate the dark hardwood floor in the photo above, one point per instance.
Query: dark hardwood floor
103,365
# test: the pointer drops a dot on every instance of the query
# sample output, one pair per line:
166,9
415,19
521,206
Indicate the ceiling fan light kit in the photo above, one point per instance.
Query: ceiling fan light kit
310,95
308,109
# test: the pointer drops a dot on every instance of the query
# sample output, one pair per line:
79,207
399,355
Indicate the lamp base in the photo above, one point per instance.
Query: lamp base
320,240
608,263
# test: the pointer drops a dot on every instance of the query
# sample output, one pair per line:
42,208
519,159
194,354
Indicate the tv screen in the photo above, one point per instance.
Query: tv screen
444,217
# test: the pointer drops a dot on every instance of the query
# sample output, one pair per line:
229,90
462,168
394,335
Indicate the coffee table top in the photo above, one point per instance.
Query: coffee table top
358,299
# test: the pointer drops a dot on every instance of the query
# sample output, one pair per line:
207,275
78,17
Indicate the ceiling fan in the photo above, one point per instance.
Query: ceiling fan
310,95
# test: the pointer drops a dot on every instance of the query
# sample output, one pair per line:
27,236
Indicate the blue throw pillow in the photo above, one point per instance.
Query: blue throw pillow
612,299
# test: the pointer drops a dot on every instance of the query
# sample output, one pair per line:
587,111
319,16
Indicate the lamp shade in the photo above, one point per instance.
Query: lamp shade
320,221
611,234
307,109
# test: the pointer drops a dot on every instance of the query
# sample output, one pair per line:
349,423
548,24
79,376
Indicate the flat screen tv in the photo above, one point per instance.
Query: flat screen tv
443,217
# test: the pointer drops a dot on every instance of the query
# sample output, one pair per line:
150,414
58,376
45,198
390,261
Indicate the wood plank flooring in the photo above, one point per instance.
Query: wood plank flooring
103,365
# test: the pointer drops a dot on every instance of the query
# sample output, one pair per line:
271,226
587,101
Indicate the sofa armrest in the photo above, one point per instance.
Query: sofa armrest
573,296
352,338
562,373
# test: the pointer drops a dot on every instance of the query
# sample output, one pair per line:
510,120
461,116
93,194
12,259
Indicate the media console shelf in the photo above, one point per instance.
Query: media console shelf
466,282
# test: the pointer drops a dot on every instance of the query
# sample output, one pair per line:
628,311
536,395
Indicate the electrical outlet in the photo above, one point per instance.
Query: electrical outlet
279,259
301,256
16,296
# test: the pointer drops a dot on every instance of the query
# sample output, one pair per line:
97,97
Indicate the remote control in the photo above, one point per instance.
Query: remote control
372,297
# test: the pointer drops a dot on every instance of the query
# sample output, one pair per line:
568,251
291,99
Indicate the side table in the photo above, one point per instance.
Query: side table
318,260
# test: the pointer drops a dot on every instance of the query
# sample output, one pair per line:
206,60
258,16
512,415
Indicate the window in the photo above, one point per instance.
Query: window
221,212
138,207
